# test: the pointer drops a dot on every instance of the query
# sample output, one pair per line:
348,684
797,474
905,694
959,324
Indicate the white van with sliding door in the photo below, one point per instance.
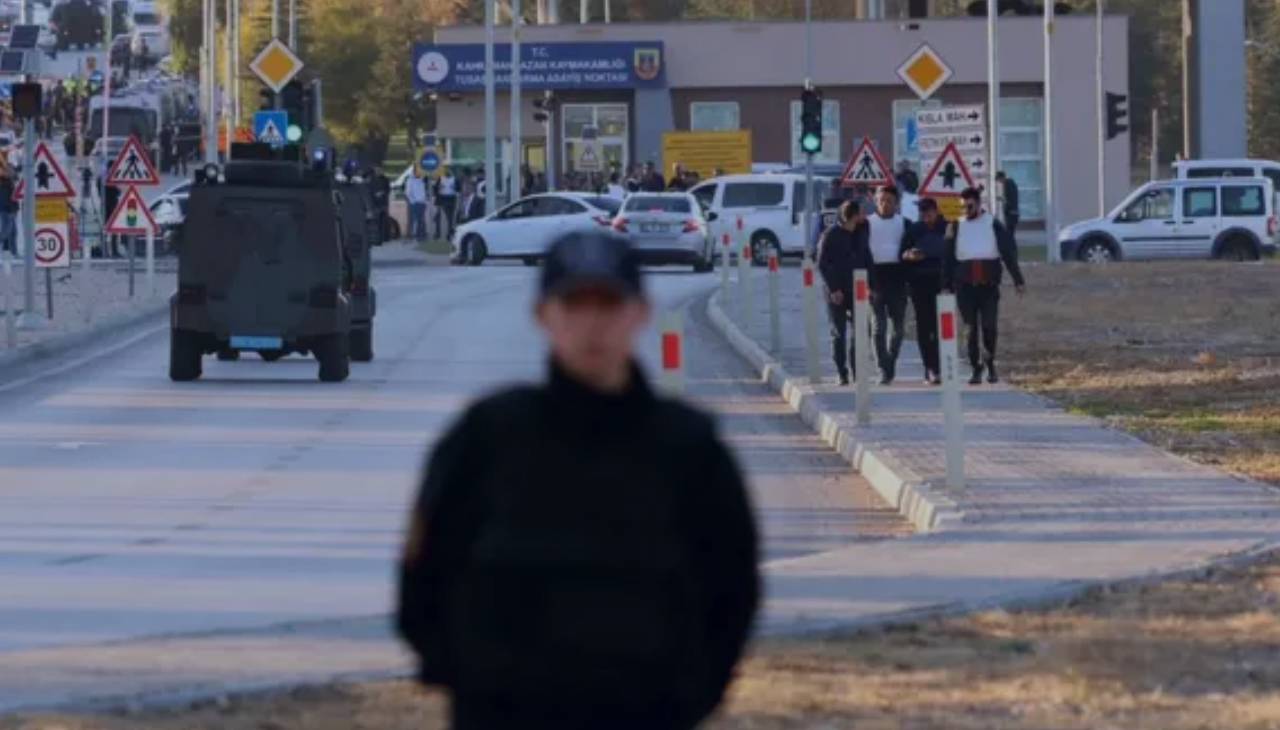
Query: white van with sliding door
770,206
1204,169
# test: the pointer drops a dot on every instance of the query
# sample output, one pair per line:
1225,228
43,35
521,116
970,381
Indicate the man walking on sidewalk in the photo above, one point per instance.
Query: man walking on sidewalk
888,229
415,194
922,254
583,553
979,249
842,250
1012,206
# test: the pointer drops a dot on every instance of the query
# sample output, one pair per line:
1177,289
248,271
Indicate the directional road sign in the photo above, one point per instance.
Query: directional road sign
131,217
276,65
51,181
132,166
430,161
951,117
866,167
52,251
962,127
269,127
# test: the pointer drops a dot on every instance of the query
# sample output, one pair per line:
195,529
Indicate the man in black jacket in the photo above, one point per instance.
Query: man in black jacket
1012,206
843,249
979,249
922,253
583,553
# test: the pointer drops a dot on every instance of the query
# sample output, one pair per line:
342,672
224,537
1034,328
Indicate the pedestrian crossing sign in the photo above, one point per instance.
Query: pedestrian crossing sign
270,127
132,166
866,168
589,159
949,175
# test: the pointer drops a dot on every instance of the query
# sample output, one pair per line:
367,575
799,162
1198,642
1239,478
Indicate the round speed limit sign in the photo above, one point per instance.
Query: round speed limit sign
51,247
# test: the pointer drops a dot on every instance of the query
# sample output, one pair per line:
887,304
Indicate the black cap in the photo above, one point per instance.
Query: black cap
971,194
590,259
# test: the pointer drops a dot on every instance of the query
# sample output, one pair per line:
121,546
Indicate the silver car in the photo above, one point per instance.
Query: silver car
667,228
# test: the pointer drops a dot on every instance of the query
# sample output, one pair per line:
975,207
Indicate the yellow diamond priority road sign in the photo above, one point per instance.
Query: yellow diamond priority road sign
925,72
276,65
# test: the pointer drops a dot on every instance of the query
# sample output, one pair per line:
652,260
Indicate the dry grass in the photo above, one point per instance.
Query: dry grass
1185,355
1180,655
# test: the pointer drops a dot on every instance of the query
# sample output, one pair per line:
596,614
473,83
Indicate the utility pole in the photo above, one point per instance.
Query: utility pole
228,120
1050,168
293,25
1155,144
993,111
808,158
517,20
275,34
583,11
29,318
1100,99
235,61
490,114
211,101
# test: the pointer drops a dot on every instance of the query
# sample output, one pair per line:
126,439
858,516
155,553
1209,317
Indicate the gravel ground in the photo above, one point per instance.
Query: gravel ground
107,298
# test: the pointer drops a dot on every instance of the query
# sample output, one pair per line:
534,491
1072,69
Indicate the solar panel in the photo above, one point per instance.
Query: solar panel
12,62
24,37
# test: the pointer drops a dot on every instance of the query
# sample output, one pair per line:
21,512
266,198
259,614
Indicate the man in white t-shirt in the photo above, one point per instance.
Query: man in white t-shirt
887,230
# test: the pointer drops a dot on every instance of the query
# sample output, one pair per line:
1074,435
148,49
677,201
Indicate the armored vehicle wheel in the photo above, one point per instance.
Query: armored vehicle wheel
332,353
270,355
228,355
184,356
362,344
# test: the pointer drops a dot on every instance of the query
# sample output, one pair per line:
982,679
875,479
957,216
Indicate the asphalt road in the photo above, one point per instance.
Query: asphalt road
135,512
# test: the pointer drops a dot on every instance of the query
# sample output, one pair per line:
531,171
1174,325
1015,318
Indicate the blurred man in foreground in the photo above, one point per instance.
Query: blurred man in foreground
582,553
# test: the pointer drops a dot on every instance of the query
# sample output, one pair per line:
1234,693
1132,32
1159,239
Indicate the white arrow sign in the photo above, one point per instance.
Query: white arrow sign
933,144
951,117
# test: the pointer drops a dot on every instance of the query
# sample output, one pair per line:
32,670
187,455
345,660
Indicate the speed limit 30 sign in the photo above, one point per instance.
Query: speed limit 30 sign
52,251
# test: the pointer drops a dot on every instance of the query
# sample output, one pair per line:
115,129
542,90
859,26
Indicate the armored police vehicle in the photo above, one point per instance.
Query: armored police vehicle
264,267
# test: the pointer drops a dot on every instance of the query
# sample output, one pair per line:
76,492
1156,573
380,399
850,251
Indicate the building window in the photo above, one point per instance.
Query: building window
830,154
905,145
612,129
1022,152
714,116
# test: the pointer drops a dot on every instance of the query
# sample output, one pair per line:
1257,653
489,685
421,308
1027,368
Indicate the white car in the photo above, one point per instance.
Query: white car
526,228
1224,218
667,228
771,208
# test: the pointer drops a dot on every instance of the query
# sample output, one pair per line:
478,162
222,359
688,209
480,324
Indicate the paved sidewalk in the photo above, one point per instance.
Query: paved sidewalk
1053,500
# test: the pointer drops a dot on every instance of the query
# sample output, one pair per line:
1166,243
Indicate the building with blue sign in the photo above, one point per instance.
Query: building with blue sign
618,87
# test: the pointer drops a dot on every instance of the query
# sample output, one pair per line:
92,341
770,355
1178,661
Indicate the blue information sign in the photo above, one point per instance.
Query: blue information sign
430,161
460,67
271,127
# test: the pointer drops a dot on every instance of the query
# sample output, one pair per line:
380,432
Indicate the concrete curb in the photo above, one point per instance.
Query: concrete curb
925,506
61,344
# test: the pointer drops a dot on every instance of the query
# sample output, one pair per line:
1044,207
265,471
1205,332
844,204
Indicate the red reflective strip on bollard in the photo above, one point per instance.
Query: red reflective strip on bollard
808,277
746,251
948,325
670,351
739,222
773,263
861,292
726,240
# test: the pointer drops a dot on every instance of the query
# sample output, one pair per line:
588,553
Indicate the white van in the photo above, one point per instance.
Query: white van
771,207
1195,169
1230,218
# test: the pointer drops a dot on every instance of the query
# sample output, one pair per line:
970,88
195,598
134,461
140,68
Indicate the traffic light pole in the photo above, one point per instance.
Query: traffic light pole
1102,123
490,115
808,157
29,318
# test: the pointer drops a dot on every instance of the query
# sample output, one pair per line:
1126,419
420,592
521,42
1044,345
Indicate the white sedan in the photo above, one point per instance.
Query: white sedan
526,228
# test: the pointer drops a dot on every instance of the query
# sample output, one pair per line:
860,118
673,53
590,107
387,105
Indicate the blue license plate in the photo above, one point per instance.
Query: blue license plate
256,343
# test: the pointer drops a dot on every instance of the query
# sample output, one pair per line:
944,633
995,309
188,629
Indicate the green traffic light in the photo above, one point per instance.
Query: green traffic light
294,133
810,143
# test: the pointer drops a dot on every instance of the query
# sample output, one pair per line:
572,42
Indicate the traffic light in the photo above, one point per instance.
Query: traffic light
308,118
543,108
266,100
1117,114
291,101
27,100
811,121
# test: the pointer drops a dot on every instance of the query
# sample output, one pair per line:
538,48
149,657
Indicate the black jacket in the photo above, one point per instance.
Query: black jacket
840,252
573,546
956,272
932,240
1011,203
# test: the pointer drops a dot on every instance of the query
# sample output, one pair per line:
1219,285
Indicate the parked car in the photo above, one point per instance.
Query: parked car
525,229
170,212
668,228
771,207
1224,218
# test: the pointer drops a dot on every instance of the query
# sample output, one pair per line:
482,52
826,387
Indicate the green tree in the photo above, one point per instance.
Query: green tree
185,34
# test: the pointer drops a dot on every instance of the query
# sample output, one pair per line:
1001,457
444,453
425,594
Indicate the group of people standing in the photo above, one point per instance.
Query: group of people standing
446,201
913,261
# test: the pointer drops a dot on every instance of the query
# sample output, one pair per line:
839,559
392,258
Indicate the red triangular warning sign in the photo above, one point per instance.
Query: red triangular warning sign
866,167
949,176
131,216
51,181
132,166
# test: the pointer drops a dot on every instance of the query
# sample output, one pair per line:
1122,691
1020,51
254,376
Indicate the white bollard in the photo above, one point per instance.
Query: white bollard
775,317
151,262
952,413
10,322
724,269
862,344
810,320
744,285
673,352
